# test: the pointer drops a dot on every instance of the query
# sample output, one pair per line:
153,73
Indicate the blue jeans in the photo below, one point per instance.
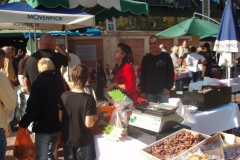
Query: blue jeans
45,145
3,144
158,98
77,153
193,76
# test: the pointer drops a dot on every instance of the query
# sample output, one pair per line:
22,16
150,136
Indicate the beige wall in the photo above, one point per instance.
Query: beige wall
137,40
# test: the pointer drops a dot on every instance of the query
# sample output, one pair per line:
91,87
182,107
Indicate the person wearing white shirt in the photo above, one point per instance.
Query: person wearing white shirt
174,55
192,61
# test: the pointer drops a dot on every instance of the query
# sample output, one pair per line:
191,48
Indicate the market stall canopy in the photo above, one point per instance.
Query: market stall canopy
211,37
193,26
15,33
228,37
20,15
89,32
102,9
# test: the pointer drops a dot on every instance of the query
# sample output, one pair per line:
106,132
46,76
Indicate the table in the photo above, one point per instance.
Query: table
222,118
195,86
209,122
181,75
126,149
234,83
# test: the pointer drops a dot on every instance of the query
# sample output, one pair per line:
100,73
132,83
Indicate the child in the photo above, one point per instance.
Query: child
77,113
101,80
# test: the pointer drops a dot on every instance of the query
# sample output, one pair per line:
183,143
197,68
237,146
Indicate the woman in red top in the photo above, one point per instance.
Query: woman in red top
123,75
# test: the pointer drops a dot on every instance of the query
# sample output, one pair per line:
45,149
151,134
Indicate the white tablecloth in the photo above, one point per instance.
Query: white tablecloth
181,75
195,86
127,149
223,118
234,83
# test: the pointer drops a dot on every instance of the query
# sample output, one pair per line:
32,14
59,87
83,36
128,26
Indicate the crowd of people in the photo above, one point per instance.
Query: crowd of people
54,108
198,60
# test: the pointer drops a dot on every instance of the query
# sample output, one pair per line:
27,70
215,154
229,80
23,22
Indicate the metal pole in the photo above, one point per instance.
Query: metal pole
66,41
205,17
35,37
29,40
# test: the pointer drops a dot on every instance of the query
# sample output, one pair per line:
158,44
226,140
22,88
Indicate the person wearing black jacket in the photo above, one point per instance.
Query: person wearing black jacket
42,109
157,76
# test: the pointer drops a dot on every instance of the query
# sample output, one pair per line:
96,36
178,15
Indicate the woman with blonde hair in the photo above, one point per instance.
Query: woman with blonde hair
45,64
42,109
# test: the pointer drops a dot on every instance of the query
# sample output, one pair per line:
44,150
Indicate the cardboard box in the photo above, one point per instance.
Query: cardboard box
177,157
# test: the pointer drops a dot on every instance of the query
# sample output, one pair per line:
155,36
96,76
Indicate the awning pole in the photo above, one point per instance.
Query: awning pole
29,41
66,41
35,38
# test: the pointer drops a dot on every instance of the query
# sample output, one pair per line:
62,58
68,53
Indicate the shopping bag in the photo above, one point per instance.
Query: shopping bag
24,148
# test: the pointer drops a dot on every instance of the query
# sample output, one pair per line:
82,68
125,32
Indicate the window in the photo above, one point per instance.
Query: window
184,3
169,3
154,2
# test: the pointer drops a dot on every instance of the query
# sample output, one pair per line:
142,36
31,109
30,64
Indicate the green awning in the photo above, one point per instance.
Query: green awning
102,9
192,26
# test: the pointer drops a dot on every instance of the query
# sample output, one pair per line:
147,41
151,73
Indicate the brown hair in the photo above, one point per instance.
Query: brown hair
79,75
126,49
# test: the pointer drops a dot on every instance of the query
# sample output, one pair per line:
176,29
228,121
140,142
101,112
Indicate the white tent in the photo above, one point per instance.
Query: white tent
20,15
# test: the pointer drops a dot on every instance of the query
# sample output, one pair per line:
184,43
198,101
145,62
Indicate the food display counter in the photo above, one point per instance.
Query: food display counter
222,118
209,122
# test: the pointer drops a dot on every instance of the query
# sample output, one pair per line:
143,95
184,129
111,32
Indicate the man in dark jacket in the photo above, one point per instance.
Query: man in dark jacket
42,110
157,74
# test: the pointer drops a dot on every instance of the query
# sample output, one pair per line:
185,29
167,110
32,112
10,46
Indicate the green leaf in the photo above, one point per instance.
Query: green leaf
116,95
108,129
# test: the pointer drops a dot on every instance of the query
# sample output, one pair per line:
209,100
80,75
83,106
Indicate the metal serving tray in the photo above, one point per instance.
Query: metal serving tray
181,155
155,108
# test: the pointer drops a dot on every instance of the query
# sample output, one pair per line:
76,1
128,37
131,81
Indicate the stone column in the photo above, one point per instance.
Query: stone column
111,43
